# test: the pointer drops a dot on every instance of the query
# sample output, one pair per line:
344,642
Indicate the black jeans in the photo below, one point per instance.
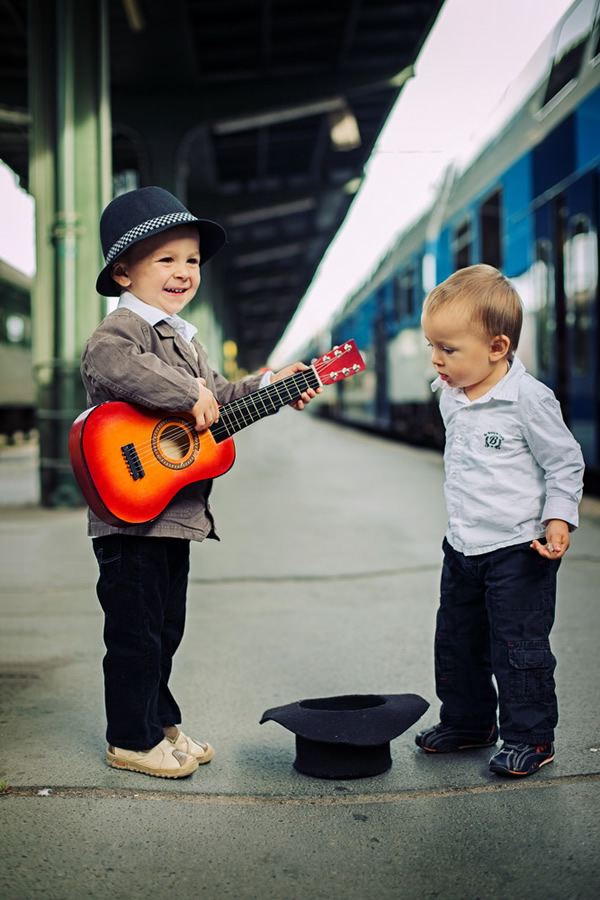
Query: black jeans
142,590
495,617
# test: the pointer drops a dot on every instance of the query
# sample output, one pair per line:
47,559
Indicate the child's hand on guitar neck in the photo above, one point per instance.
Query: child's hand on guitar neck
206,409
308,395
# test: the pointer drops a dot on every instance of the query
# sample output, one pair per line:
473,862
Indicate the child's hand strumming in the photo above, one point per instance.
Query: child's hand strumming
206,409
557,540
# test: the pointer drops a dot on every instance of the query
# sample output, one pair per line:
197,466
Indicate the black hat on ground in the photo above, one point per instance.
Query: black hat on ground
347,736
139,214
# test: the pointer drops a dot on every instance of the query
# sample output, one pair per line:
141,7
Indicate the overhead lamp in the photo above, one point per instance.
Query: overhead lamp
265,117
343,129
352,186
277,210
135,19
402,77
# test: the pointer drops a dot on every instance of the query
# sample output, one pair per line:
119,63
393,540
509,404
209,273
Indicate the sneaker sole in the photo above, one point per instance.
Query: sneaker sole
460,747
511,773
130,766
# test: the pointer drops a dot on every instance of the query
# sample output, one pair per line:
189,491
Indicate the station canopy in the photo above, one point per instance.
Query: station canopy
262,112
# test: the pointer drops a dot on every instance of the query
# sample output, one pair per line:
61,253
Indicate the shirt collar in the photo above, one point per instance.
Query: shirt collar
153,316
506,389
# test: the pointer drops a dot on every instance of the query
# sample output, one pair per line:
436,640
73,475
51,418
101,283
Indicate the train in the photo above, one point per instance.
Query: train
526,202
17,383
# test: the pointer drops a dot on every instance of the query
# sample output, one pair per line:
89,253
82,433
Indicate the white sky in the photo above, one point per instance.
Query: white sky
475,50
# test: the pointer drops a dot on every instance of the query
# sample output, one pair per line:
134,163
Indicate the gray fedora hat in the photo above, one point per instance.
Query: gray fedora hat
139,214
347,736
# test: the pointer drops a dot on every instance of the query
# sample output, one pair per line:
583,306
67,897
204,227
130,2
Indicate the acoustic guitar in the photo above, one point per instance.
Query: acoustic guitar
130,461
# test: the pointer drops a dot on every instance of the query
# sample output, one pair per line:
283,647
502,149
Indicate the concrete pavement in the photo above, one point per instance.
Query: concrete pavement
324,583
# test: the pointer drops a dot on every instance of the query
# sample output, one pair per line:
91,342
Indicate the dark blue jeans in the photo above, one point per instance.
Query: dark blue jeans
494,621
142,590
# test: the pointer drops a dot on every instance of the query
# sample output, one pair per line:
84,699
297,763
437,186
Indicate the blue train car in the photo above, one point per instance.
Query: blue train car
17,387
527,203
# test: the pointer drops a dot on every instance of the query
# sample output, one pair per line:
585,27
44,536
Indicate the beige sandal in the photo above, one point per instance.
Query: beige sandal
164,761
200,750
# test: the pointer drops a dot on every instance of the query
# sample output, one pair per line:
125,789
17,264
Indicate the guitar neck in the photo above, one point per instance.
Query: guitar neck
267,400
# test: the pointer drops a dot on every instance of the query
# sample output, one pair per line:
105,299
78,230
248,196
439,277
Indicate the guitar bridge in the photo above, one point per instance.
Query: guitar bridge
130,455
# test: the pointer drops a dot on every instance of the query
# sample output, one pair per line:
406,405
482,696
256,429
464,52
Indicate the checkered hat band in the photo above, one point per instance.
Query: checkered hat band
146,228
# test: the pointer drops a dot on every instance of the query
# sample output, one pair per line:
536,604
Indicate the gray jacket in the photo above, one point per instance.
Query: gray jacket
128,359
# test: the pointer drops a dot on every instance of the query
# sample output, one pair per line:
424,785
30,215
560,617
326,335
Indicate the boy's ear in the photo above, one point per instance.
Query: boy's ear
119,274
499,347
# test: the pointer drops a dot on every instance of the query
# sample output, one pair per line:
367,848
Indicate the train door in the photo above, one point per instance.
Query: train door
382,407
567,307
550,301
580,262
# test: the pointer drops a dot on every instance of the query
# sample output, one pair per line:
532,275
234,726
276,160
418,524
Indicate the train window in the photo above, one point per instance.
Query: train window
405,284
581,283
544,301
461,245
570,49
490,227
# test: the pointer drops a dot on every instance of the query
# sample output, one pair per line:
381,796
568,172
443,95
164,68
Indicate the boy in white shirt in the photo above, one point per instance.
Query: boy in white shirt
514,479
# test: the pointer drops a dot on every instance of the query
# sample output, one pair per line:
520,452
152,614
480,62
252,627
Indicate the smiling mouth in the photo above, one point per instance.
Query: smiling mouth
176,290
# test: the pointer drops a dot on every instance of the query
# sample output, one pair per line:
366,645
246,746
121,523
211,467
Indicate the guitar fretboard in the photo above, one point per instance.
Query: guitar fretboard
239,413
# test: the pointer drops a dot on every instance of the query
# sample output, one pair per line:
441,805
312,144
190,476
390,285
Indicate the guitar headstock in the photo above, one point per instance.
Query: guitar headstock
341,362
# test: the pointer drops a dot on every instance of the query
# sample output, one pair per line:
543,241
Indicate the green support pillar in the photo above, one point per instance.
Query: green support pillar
70,178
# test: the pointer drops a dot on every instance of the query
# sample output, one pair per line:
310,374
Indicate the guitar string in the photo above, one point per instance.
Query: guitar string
230,419
231,416
235,411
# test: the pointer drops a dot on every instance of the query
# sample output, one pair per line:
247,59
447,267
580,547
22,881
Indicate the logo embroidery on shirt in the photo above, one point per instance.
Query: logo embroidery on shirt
493,439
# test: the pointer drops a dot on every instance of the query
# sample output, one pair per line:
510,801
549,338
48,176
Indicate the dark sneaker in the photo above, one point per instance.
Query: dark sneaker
448,738
517,760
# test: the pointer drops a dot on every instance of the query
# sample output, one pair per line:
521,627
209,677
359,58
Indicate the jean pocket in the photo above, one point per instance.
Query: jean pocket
108,554
532,665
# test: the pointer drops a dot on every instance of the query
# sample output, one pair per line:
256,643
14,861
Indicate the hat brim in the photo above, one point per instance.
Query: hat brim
366,720
212,238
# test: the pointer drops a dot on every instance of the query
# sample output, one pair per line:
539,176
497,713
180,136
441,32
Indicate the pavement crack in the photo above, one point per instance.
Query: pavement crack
45,794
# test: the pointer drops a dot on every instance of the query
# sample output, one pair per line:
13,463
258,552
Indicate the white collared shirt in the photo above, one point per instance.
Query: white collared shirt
511,463
153,315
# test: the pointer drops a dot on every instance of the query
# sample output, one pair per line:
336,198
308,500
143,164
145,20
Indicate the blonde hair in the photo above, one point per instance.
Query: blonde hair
487,296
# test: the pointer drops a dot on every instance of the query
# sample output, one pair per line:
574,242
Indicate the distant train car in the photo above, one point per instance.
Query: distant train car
17,388
529,204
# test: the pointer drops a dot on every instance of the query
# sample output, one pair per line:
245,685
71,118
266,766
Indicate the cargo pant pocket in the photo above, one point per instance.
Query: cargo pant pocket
531,665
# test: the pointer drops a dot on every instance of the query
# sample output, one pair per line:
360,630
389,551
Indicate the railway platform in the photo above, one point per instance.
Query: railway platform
324,583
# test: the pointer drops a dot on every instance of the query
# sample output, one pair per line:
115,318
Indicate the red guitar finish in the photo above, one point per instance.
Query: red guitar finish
130,461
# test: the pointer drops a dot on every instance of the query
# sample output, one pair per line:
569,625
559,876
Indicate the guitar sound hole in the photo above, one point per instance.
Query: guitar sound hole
175,443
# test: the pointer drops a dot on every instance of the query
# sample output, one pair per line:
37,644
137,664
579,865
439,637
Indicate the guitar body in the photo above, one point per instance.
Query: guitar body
130,461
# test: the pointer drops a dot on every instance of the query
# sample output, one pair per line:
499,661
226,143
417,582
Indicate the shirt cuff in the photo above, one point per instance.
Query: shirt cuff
265,380
561,508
